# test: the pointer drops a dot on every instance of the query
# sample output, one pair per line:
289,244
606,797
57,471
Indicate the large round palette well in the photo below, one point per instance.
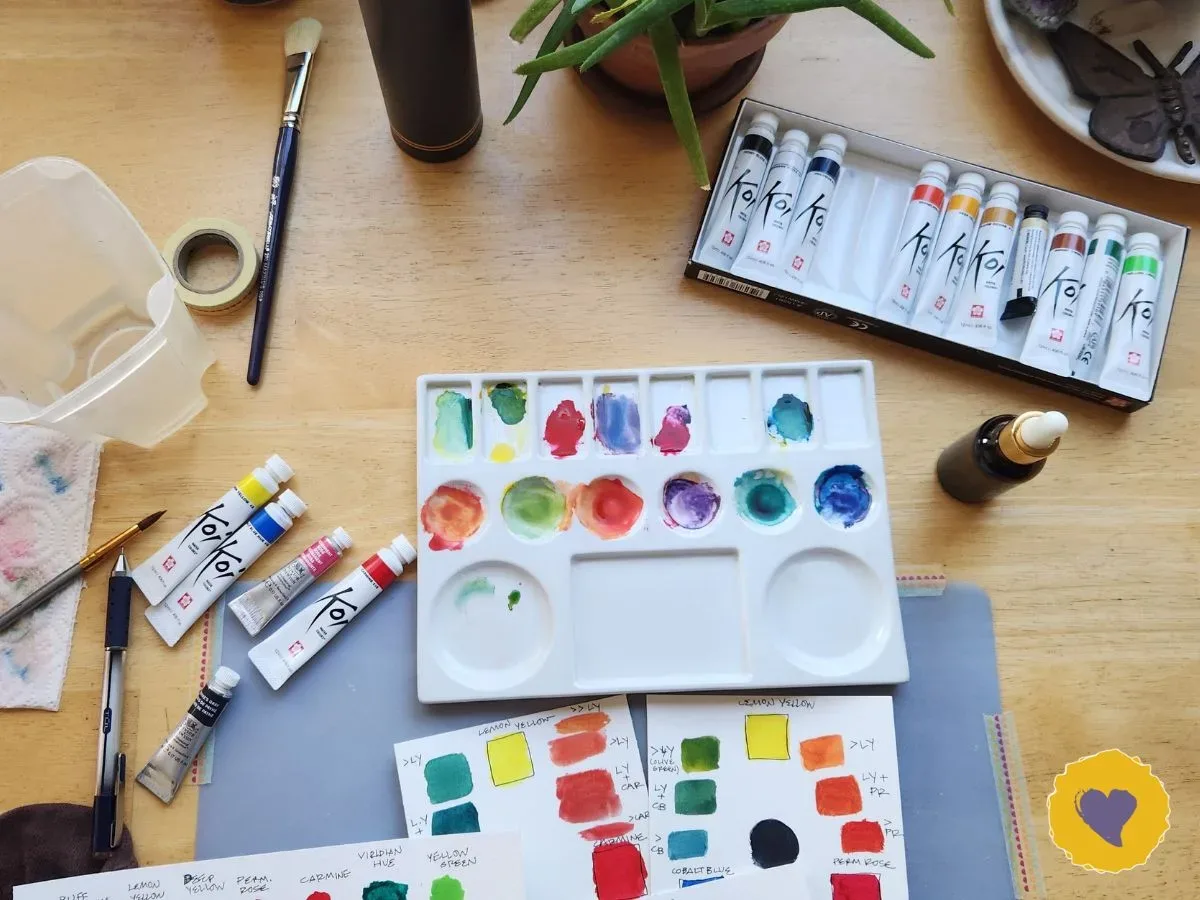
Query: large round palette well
653,530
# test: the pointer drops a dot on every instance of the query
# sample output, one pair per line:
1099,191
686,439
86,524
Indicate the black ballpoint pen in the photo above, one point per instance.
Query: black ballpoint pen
110,769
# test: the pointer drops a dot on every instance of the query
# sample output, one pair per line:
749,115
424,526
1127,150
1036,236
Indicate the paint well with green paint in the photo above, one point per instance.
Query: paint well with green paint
700,754
461,819
446,888
533,508
453,426
448,778
385,890
696,797
475,587
514,597
508,400
790,419
762,497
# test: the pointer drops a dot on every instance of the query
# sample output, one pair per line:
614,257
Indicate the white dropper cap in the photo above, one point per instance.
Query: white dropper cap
935,171
764,123
970,181
291,503
341,539
279,469
794,139
225,680
1074,217
1004,189
1039,432
1145,241
835,144
1113,222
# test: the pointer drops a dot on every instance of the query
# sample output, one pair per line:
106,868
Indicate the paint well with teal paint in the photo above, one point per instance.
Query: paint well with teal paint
763,498
790,419
448,778
690,844
461,819
509,402
453,425
842,496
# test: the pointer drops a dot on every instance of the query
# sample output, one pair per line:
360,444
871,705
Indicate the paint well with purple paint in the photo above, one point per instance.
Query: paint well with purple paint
842,495
618,424
690,502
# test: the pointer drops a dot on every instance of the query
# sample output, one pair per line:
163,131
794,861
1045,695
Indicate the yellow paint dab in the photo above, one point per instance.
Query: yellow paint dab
503,453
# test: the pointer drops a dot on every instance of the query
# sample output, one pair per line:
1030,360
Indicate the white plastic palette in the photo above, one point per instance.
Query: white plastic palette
653,530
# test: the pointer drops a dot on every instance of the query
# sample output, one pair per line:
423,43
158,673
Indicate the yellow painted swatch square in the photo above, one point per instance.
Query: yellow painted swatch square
508,759
767,736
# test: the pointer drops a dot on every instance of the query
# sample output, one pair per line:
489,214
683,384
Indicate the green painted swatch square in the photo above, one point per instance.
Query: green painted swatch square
700,754
448,778
696,797
461,819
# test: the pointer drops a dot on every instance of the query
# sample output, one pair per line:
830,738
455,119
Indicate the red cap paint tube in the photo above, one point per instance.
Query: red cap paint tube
294,644
917,231
262,603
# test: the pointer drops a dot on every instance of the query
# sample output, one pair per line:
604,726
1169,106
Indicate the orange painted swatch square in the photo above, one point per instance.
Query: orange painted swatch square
823,752
862,836
839,796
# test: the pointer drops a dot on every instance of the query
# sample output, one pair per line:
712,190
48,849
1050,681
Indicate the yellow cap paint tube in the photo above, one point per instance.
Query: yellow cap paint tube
732,207
162,572
812,209
978,305
935,301
917,231
1049,339
1129,363
1101,275
763,244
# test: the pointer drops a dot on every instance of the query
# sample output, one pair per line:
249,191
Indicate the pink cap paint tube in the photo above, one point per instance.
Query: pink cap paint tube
262,603
282,654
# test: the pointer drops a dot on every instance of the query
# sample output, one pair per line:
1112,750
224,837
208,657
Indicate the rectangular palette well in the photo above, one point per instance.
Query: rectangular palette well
653,530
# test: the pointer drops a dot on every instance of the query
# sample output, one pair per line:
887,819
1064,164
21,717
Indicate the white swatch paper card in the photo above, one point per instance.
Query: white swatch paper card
743,782
569,780
459,867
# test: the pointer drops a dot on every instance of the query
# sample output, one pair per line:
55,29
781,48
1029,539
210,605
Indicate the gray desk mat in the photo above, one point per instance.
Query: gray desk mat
312,764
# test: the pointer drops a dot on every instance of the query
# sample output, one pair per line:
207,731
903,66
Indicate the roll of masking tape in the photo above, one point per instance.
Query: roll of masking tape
198,233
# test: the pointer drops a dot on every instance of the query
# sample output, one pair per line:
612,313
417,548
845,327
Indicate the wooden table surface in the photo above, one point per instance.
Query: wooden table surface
558,243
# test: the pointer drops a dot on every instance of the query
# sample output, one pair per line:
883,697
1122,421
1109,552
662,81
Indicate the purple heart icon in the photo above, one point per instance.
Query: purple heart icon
1106,814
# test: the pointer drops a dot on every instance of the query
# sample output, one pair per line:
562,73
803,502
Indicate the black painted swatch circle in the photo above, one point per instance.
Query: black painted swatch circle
773,843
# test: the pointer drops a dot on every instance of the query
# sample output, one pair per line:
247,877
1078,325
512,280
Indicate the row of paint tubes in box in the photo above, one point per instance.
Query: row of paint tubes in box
768,225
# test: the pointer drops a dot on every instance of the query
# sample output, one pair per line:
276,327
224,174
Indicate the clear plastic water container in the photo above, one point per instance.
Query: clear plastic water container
93,339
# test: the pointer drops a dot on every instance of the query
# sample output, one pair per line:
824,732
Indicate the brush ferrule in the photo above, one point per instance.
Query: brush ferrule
298,67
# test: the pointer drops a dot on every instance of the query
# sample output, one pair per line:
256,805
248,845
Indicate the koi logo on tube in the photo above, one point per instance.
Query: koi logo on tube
975,312
917,232
1101,274
1129,364
1051,334
764,241
739,197
812,207
935,301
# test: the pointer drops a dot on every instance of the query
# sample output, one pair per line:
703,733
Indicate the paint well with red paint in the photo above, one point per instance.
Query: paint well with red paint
573,748
607,832
618,871
855,886
587,796
564,430
607,507
589,721
673,436
862,837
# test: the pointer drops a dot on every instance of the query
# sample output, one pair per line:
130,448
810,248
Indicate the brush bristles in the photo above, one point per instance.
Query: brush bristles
303,36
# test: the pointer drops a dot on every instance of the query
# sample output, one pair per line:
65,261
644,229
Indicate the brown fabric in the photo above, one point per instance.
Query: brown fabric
53,840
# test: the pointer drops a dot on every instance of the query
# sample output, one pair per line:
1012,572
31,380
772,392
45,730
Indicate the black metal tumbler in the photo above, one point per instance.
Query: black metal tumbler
424,54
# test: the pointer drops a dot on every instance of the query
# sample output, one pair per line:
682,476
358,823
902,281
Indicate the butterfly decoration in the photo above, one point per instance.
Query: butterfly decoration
1135,113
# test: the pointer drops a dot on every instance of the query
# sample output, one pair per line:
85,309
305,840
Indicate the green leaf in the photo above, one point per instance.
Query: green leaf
533,16
665,41
635,23
605,15
700,17
563,57
950,7
555,36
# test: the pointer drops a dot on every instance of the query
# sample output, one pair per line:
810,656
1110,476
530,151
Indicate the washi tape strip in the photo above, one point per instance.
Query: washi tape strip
1014,806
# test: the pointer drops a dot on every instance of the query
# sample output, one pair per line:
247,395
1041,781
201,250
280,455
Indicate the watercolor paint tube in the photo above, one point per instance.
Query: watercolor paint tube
162,572
917,231
769,225
1101,274
978,304
739,195
225,565
1129,363
301,637
939,287
812,207
1029,261
1050,337
165,771
262,603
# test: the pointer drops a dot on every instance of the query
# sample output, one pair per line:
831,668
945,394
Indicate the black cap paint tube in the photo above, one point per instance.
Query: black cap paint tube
1101,274
1129,363
939,288
978,305
1029,260
1049,339
739,195
812,209
165,771
917,231
763,244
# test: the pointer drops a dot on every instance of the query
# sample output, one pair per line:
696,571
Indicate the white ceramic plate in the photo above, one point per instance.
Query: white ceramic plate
1041,76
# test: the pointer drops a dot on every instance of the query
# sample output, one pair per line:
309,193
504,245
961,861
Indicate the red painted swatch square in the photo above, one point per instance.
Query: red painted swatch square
618,871
839,796
862,837
587,796
856,886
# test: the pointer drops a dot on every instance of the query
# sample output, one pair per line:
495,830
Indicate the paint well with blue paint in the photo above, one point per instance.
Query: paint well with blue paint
690,844
842,495
618,423
790,420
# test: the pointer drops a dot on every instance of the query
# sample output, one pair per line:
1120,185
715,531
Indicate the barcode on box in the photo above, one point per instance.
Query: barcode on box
734,285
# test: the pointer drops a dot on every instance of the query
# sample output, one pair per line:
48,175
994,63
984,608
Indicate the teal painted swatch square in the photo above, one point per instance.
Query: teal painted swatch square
696,797
461,819
448,778
687,844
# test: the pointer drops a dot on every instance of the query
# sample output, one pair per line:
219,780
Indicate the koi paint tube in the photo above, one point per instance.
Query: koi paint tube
212,578
1051,334
165,771
740,194
262,603
1129,364
764,241
939,288
162,572
1029,261
917,231
1101,273
978,305
812,207
298,640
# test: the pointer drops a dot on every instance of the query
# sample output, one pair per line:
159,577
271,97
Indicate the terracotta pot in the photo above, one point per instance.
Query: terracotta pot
705,60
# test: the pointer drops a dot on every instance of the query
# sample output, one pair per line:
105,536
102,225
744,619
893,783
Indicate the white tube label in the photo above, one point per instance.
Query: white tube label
1048,343
1101,272
975,312
764,241
916,236
737,200
811,209
939,289
1128,366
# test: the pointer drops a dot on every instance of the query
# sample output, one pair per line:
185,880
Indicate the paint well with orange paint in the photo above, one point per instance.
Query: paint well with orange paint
839,796
451,515
823,752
